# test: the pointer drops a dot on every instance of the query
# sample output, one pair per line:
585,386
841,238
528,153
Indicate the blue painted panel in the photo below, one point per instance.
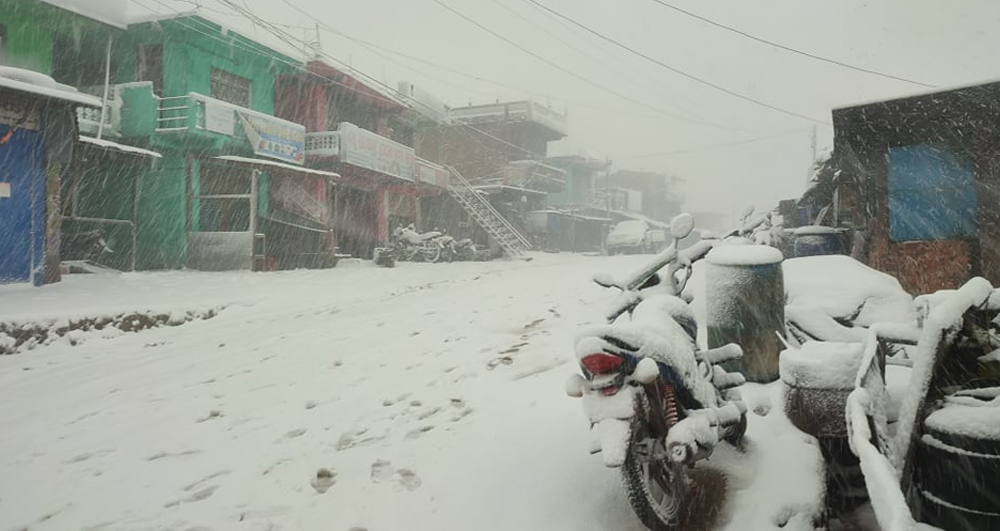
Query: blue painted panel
932,194
22,215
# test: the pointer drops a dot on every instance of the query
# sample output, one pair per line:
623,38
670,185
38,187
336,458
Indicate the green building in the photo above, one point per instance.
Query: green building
230,178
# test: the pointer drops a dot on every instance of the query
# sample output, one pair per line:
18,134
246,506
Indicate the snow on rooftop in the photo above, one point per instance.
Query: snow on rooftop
39,84
111,12
918,93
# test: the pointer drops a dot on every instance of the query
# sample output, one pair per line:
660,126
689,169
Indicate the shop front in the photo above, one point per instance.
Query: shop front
252,213
37,134
377,189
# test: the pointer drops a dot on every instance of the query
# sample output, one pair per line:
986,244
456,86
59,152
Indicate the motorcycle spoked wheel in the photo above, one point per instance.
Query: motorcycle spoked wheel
656,488
430,253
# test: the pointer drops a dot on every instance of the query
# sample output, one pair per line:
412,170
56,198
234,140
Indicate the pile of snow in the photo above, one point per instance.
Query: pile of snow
972,418
821,365
744,255
825,292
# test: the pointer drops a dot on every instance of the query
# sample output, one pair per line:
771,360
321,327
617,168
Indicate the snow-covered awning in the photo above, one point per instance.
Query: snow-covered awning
43,86
107,144
265,164
500,187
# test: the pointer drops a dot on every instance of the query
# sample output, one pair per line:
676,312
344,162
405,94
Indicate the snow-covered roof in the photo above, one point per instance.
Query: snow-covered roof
107,144
110,12
44,86
275,164
918,93
641,217
488,187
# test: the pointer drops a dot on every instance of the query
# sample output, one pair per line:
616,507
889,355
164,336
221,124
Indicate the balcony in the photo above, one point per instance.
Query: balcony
144,114
513,112
89,118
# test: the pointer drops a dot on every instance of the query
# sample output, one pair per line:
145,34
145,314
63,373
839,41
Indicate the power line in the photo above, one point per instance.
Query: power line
705,110
272,56
284,36
675,69
547,61
788,48
612,68
714,146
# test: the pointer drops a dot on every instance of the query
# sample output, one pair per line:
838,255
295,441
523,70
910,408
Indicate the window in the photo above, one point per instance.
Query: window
230,88
932,194
3,42
149,66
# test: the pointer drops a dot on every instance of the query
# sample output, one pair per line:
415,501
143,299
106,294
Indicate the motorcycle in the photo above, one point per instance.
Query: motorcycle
657,404
412,245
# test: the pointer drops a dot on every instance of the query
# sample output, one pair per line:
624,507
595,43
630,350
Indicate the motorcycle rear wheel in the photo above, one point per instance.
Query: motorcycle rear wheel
656,490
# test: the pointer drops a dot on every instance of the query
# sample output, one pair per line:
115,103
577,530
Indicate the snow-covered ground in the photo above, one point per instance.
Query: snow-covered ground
421,397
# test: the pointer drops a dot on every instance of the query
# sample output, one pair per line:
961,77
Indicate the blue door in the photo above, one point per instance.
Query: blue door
22,207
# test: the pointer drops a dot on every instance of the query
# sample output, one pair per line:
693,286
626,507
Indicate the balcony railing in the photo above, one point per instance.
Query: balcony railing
89,118
323,144
203,113
518,111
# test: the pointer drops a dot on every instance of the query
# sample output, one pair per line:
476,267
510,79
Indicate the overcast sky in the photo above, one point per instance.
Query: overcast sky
639,114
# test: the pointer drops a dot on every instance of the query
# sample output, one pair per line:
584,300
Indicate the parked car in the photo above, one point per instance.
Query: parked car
635,236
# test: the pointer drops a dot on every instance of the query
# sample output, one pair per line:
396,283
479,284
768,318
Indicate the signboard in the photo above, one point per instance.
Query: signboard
368,150
15,108
302,195
432,174
274,138
219,117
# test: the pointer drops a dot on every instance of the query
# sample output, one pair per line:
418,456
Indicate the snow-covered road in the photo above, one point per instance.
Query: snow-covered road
421,397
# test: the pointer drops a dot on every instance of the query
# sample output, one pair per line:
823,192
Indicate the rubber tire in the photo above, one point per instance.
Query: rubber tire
431,256
955,518
969,480
639,497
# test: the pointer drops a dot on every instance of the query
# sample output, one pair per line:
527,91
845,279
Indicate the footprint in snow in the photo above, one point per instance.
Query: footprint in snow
325,478
415,434
382,471
292,435
196,497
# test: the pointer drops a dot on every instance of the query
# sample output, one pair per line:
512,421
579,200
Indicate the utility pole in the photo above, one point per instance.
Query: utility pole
812,161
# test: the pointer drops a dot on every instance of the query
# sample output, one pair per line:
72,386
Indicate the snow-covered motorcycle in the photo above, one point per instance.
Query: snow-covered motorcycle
656,403
412,245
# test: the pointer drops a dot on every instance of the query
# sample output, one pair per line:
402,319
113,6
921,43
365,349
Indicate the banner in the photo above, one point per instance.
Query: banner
274,138
302,195
432,174
368,150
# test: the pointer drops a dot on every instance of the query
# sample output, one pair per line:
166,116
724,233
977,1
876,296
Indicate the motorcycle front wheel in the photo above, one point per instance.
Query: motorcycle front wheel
431,253
656,490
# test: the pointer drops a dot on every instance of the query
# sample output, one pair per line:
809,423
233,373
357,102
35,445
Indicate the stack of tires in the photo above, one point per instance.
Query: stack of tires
956,466
817,379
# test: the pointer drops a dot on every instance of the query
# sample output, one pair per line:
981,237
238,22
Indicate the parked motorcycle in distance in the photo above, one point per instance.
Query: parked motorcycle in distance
414,246
657,404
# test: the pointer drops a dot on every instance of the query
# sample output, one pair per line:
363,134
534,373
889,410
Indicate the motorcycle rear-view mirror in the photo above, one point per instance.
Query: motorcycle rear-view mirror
681,226
604,280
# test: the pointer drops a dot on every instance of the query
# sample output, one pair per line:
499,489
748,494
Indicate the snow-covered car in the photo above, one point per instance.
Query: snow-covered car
635,236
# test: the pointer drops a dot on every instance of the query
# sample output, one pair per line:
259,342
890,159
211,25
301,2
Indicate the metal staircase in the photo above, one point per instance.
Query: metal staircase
502,232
